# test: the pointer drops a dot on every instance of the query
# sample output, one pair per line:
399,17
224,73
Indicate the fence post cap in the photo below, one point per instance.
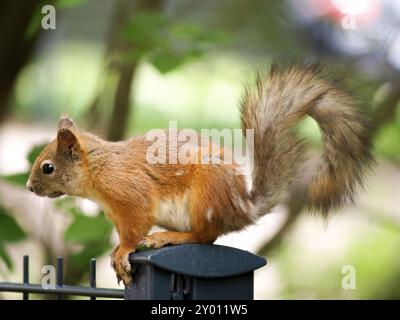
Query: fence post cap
199,260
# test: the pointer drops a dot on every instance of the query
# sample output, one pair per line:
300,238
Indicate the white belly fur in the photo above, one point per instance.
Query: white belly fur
172,213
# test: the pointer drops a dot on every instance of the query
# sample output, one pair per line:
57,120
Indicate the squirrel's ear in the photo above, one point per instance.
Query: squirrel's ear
67,140
65,123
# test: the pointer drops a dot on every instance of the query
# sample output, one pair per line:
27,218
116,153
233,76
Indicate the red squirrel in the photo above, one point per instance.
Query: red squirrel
198,202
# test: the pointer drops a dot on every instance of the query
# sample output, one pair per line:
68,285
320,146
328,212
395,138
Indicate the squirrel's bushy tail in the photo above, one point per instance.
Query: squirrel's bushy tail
279,101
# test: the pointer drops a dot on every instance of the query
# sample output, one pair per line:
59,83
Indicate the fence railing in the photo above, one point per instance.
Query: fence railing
60,289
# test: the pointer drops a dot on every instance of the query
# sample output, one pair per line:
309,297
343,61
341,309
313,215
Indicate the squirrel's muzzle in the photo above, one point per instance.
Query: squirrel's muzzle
29,185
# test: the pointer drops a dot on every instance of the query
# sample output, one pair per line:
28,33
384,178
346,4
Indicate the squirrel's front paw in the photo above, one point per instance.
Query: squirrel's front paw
156,240
121,265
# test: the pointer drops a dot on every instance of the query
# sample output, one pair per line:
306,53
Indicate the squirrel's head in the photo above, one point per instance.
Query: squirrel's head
58,170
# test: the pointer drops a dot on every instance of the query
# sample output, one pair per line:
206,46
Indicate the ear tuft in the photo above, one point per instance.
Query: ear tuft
65,123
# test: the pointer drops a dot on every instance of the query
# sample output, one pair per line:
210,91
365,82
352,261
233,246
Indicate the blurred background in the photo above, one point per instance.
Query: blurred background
122,67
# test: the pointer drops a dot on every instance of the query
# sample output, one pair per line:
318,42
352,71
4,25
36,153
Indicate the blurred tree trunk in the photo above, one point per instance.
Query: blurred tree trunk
125,71
386,110
16,45
120,114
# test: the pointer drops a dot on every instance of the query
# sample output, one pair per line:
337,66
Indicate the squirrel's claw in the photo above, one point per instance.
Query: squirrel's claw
126,279
145,244
157,240
123,275
122,267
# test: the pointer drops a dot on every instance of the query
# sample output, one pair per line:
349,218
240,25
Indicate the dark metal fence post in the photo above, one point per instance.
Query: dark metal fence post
92,276
60,276
193,272
25,295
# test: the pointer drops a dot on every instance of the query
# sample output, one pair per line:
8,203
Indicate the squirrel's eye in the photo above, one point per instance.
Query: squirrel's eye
48,168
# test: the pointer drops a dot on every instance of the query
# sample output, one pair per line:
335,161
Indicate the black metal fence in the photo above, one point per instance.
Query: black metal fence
184,272
60,289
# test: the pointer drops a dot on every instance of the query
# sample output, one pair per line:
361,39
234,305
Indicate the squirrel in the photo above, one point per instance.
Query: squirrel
198,202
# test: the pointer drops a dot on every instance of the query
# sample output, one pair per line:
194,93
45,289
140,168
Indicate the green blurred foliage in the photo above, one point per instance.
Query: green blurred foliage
164,43
10,231
388,141
92,233
19,179
86,230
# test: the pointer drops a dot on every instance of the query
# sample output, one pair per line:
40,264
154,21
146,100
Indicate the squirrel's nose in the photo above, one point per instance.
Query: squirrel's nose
29,185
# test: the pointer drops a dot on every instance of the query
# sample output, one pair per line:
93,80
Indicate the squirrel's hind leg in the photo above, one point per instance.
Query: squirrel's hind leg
201,229
161,239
